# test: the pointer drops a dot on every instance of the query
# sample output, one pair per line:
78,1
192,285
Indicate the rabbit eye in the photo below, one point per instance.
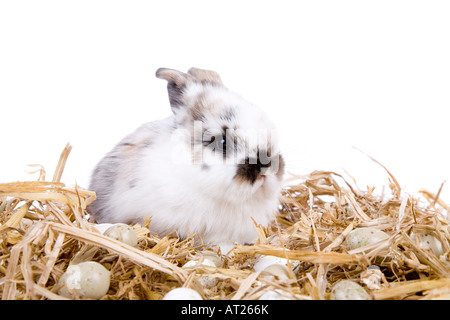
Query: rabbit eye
217,143
224,143
221,144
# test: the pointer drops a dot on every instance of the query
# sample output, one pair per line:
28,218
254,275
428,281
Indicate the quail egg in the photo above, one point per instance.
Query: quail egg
213,257
276,270
182,294
203,279
265,261
364,236
122,232
348,290
428,241
88,280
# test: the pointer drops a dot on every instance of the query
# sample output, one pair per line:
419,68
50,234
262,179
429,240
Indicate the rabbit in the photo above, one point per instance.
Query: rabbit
212,168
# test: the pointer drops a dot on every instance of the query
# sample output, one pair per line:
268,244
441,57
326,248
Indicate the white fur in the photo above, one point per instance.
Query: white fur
161,181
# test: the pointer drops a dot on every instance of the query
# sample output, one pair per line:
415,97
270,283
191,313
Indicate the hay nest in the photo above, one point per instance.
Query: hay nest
44,227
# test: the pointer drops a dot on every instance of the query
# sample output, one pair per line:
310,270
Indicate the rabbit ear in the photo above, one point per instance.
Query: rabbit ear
176,82
205,76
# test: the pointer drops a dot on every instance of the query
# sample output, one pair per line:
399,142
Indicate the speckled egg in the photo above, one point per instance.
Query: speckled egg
89,280
265,261
213,257
348,290
428,241
203,279
122,232
364,236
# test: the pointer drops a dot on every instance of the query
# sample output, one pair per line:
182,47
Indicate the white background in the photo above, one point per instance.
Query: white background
331,74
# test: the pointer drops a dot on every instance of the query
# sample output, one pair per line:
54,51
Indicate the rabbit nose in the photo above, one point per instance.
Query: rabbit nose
257,164
251,169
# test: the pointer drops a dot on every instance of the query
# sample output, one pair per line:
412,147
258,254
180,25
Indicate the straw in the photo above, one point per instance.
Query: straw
45,227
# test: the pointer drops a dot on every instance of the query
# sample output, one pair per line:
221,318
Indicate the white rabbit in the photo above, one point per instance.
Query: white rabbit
213,168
